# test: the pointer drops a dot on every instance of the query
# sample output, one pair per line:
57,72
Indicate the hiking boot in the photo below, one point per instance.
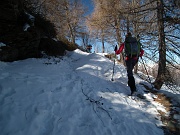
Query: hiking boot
133,93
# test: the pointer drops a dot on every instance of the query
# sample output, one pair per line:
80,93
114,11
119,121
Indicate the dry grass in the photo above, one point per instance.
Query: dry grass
171,125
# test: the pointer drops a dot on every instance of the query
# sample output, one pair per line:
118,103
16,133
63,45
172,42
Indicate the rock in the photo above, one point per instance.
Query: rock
52,47
8,54
21,46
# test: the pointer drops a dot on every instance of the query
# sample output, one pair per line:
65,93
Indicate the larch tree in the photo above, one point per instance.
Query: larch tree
169,39
106,19
161,35
97,24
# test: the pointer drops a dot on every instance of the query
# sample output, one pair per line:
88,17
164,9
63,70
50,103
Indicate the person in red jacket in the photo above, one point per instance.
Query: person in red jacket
130,61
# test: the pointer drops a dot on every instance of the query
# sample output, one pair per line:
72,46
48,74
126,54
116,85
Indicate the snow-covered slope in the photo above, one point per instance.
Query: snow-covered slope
72,95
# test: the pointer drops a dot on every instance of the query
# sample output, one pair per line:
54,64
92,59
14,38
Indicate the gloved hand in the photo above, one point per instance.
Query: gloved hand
141,53
115,49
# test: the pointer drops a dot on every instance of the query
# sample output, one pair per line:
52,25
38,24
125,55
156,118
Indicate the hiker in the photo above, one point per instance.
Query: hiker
133,51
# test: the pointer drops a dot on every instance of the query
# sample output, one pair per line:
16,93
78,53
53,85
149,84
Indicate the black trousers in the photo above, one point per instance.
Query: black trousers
130,63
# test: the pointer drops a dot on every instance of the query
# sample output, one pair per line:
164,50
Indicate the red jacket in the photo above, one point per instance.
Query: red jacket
121,49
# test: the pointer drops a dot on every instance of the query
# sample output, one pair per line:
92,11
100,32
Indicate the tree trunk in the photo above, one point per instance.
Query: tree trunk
118,35
103,48
162,47
102,40
128,25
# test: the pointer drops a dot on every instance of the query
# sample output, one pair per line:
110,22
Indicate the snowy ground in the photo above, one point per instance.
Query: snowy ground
73,95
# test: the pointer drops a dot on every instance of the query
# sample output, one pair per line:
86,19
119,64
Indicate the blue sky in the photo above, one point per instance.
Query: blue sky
89,4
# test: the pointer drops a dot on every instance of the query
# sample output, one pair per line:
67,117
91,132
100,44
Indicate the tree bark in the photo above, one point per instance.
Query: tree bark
102,40
162,47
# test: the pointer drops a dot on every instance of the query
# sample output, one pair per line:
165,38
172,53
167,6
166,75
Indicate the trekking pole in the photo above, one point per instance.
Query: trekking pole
147,72
113,69
115,49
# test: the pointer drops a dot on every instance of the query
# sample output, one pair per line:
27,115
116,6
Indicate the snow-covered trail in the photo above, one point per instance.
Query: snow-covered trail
96,72
48,99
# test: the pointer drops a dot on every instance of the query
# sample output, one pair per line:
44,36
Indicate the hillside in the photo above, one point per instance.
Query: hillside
24,34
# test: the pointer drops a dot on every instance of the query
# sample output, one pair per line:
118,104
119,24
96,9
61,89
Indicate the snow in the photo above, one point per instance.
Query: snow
73,95
31,20
26,26
2,44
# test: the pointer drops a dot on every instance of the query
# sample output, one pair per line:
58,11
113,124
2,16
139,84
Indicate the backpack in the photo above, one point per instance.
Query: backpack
132,47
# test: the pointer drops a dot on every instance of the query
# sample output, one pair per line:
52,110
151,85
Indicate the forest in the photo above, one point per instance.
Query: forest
156,22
